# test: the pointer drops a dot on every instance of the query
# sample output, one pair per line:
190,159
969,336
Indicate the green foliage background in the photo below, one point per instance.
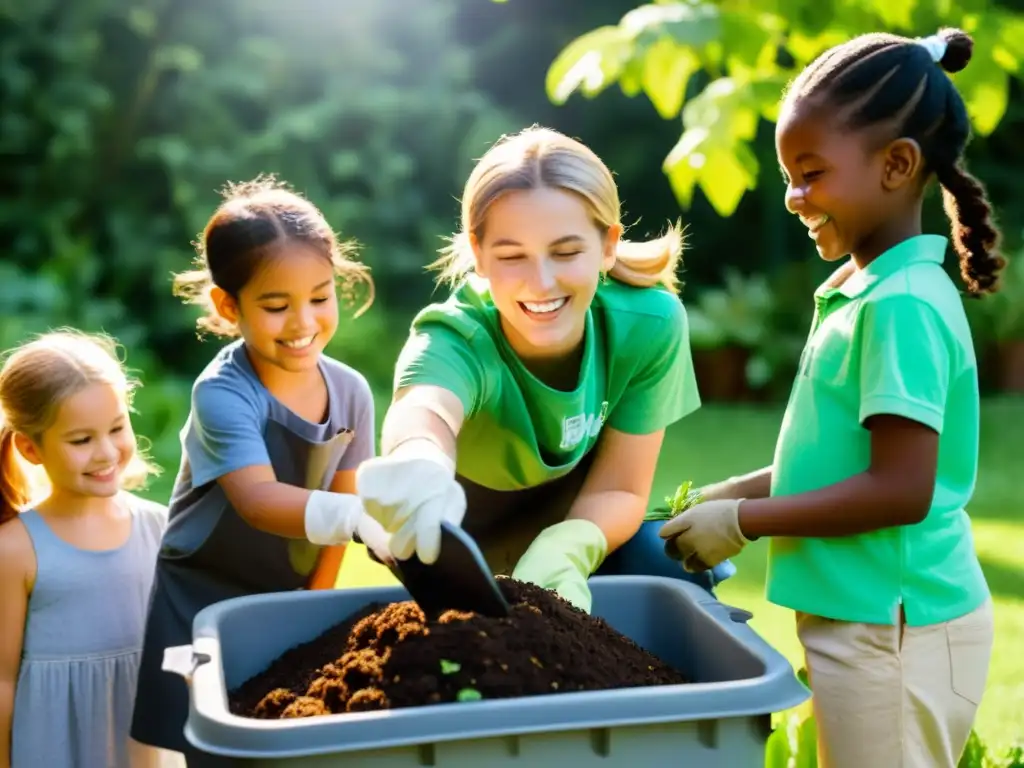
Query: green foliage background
122,118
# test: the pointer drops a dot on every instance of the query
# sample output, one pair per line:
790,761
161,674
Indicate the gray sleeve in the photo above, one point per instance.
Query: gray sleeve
364,444
225,429
157,514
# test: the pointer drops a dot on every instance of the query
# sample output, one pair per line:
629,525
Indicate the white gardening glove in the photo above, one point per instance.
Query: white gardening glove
334,518
706,534
410,492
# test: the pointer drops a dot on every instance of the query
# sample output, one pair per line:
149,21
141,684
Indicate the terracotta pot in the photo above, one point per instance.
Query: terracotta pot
722,373
1010,362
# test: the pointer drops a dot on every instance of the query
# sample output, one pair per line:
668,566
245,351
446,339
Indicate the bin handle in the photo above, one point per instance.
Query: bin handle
183,660
737,615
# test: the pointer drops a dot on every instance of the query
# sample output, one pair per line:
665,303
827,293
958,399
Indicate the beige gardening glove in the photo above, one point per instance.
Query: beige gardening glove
706,534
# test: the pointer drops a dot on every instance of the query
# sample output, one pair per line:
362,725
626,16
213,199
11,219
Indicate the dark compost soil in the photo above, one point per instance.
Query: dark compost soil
391,656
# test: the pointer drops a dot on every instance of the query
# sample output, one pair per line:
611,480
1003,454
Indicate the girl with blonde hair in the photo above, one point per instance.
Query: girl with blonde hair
530,406
75,566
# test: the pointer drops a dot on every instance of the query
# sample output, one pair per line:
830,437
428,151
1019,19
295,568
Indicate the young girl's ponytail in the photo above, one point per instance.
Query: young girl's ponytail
14,486
645,264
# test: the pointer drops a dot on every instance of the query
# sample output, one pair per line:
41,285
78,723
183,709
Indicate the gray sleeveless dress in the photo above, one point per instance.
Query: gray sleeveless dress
83,640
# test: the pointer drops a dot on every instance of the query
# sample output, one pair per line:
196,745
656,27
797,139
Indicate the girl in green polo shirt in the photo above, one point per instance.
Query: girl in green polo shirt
878,452
530,406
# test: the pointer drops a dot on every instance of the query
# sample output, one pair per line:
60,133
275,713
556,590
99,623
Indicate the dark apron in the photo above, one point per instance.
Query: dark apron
223,557
505,523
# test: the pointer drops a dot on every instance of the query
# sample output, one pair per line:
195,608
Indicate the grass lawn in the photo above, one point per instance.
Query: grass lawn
720,441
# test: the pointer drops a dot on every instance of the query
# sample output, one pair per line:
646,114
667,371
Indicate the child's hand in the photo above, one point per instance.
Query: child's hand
706,534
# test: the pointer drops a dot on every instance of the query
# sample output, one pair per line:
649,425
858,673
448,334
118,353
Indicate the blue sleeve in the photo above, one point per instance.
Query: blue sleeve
225,430
364,444
905,361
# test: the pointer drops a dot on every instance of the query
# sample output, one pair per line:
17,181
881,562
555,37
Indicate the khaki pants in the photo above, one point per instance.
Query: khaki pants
893,696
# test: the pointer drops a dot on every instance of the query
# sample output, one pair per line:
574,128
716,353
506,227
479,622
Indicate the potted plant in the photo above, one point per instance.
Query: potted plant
1006,309
728,327
997,321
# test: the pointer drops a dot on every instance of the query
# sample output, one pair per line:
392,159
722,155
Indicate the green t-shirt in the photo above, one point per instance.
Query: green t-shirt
893,339
636,376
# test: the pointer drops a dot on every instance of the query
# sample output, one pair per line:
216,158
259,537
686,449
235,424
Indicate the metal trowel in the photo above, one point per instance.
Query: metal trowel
460,579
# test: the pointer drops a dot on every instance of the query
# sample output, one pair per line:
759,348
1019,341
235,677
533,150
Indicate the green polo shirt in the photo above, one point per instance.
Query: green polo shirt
893,339
636,376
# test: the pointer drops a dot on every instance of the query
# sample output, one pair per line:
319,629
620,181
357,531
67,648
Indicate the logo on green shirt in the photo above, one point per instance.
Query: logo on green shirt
576,428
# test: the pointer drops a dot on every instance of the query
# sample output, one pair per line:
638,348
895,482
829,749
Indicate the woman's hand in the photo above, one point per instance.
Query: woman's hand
411,489
410,492
562,557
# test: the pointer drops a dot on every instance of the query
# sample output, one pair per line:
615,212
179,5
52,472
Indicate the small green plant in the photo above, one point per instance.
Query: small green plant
978,755
449,667
468,694
685,497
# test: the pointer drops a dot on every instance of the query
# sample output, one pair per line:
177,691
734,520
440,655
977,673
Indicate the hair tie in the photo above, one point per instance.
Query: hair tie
935,45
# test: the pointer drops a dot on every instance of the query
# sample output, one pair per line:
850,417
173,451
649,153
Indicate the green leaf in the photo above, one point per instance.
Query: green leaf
449,667
743,123
766,93
682,177
724,179
706,108
895,14
777,752
807,744
681,168
746,35
667,68
694,25
727,106
803,677
468,694
805,46
684,497
985,87
631,79
1009,50
588,64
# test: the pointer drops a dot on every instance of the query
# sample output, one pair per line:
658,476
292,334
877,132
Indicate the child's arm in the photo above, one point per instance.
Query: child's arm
225,443
755,485
896,489
16,566
362,447
908,362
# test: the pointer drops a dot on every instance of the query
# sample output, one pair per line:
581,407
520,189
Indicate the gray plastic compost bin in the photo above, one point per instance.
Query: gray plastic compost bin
721,720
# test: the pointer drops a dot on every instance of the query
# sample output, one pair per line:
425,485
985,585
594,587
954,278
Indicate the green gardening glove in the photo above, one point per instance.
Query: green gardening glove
562,557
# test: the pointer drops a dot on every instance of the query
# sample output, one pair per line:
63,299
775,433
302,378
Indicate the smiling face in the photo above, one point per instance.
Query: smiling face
543,256
88,446
836,183
288,312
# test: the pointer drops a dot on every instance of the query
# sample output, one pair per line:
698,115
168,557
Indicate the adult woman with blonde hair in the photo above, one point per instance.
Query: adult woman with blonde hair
530,406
